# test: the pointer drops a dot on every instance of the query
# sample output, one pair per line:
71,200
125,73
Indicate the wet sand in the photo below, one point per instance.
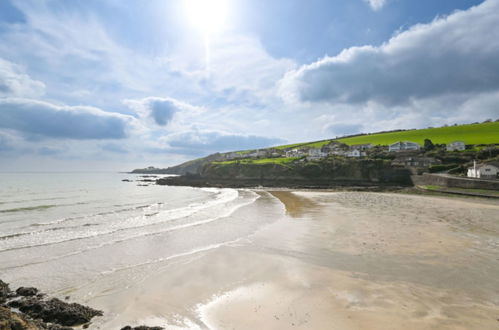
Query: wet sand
337,260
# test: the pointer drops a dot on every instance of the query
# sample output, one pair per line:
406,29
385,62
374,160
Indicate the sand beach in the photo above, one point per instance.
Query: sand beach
335,260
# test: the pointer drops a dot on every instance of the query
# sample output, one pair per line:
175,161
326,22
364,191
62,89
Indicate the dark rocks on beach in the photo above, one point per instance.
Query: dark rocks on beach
10,320
27,291
142,327
15,321
33,312
4,292
55,311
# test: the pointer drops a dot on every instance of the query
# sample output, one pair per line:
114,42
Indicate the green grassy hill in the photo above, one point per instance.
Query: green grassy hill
472,134
484,133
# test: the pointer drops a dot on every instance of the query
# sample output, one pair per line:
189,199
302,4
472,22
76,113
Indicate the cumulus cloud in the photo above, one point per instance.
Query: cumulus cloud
204,142
453,55
159,109
49,120
376,4
15,82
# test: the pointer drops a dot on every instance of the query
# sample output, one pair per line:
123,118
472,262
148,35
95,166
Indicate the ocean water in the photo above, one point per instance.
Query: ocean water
63,231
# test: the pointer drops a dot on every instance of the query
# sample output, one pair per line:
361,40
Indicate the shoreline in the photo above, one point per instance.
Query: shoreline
319,185
321,259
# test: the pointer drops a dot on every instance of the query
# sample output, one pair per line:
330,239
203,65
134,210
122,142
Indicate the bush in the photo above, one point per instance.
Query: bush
441,168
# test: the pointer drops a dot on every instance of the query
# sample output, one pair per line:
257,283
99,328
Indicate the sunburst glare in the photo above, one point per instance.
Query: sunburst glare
208,16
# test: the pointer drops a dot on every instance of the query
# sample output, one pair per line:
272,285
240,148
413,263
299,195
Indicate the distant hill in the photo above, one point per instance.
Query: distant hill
483,133
471,134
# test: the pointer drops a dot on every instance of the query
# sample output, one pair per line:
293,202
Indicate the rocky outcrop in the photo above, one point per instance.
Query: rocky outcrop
27,292
4,292
55,311
322,174
142,327
33,311
15,321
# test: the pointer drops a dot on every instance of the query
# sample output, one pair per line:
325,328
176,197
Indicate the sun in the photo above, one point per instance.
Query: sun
208,16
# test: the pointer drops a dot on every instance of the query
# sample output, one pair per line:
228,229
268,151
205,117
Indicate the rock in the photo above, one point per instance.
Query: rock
55,311
142,327
27,291
14,321
4,291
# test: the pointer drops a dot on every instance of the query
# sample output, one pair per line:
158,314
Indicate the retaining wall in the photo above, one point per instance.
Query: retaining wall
454,182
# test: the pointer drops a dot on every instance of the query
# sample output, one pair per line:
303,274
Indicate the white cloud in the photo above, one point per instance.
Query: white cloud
43,119
198,143
159,110
376,4
15,82
455,55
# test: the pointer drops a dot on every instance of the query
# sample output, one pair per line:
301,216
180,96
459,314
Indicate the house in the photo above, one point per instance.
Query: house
355,153
456,146
257,153
403,146
483,171
316,153
333,148
361,147
232,155
420,162
295,153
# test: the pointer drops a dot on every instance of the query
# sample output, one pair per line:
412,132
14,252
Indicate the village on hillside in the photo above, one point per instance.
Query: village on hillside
455,157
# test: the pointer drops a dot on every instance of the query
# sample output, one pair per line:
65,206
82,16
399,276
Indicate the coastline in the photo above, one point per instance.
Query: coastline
310,259
351,260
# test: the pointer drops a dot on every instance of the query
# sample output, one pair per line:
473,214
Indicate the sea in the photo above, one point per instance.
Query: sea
62,232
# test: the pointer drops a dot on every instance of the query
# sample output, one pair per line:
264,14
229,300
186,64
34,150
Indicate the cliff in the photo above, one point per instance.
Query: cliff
324,174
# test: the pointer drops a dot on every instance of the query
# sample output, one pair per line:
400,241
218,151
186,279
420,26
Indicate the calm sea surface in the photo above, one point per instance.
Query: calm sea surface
62,231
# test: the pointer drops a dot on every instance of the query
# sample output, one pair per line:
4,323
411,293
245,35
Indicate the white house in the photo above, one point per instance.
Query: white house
456,146
316,153
411,161
483,171
355,153
403,146
232,155
295,153
366,146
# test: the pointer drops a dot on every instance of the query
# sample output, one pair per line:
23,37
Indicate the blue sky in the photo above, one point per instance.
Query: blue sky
116,84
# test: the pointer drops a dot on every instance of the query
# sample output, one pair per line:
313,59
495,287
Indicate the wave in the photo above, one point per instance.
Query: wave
116,241
32,200
58,221
28,208
223,196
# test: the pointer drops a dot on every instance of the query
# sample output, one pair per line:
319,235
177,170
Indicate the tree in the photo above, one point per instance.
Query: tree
428,145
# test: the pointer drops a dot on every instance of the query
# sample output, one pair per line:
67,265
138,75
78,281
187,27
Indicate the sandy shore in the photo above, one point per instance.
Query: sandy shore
337,260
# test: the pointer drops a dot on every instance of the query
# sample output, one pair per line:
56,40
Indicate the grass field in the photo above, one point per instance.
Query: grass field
485,133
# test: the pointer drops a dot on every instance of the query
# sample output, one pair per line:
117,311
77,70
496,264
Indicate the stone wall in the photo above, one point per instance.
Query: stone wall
454,182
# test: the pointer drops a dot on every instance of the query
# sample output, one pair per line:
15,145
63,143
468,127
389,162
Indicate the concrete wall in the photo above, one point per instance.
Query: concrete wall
454,182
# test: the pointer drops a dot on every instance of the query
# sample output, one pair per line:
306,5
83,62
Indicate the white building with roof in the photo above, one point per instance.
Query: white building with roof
403,146
456,146
483,171
316,154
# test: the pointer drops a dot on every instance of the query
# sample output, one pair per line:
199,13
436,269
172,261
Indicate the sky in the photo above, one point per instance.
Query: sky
112,85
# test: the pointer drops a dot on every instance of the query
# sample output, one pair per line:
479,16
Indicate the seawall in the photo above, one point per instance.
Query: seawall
454,182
